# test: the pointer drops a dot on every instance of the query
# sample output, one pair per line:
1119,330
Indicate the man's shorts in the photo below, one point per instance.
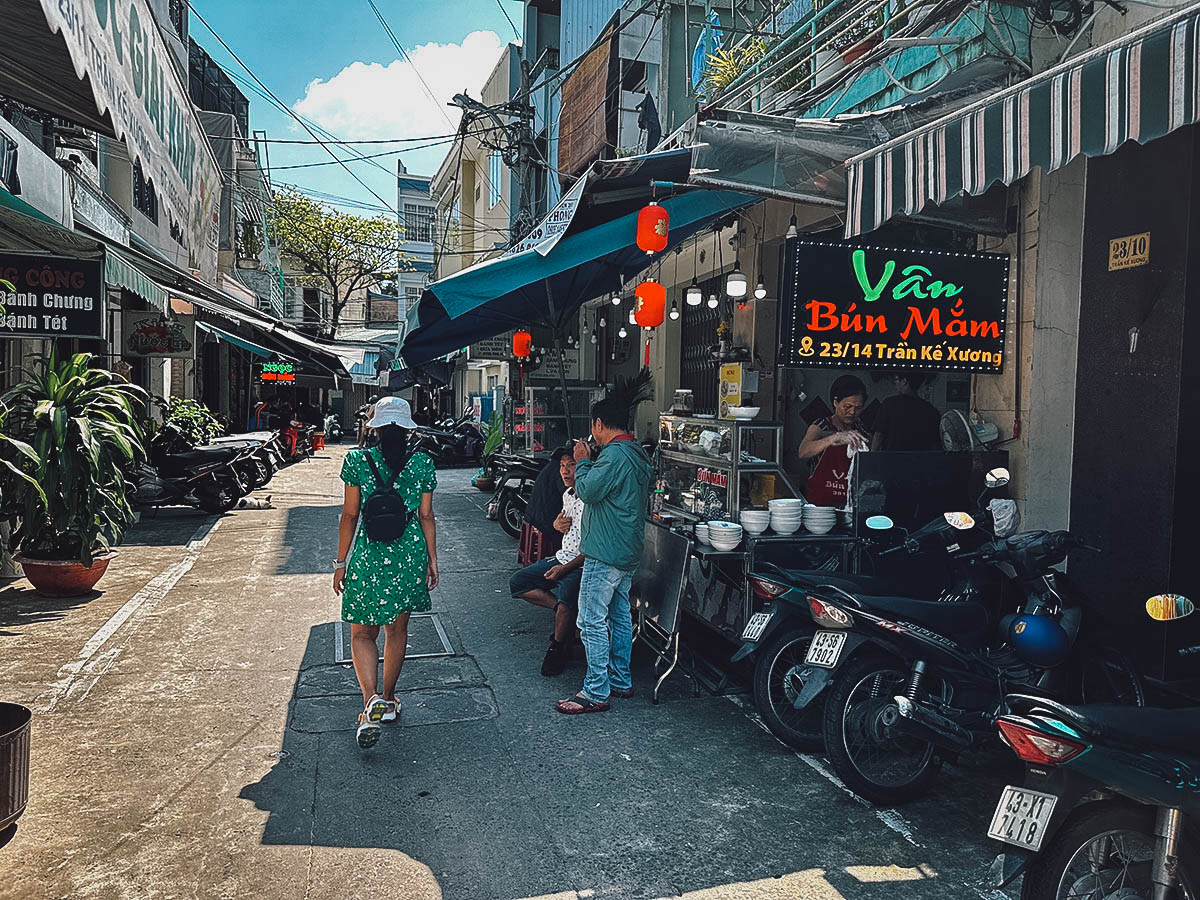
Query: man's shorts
533,577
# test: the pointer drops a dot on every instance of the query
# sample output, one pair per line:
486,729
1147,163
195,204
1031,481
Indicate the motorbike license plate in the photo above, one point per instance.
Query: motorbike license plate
825,649
756,626
1021,817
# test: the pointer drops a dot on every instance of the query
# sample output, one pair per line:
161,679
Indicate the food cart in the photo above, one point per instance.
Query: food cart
699,477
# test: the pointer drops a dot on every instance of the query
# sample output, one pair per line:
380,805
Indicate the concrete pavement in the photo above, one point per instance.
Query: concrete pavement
194,738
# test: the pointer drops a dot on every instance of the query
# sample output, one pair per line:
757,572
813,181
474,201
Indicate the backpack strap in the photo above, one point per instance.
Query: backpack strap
375,469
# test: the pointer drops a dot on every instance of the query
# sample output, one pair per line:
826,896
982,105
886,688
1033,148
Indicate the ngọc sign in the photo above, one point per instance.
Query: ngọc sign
849,306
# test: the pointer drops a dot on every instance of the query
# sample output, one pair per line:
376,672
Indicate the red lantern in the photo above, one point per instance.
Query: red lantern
522,344
651,304
653,222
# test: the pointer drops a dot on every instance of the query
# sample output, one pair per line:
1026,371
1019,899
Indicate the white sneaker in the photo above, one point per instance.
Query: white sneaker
368,732
392,711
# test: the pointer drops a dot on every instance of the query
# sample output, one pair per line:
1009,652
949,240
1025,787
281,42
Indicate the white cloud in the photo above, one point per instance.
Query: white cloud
367,101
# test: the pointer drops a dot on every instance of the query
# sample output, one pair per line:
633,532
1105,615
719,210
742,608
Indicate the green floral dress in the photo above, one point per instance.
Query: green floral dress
384,580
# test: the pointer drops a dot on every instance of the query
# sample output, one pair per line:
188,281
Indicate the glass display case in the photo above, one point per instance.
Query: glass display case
539,420
713,468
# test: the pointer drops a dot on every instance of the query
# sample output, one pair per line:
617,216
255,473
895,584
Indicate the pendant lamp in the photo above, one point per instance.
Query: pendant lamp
674,310
760,292
522,344
735,284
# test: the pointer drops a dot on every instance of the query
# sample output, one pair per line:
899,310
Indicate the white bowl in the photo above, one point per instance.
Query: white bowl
819,527
744,518
725,548
716,526
702,535
744,412
785,528
786,503
756,529
793,524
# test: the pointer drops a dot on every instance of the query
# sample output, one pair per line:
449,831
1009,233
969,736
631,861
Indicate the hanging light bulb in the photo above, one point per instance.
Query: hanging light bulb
735,284
603,324
793,231
760,292
622,333
616,298
712,301
593,339
674,313
613,357
694,295
585,327
632,318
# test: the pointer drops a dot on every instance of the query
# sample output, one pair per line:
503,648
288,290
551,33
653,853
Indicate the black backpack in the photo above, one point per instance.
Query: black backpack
384,514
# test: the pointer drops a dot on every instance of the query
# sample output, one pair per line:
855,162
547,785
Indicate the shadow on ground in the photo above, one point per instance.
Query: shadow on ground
25,606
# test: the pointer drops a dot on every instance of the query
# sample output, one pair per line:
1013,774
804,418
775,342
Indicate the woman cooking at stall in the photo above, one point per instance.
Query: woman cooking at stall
833,441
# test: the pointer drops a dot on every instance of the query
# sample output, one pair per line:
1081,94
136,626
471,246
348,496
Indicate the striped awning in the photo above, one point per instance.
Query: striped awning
1137,88
120,272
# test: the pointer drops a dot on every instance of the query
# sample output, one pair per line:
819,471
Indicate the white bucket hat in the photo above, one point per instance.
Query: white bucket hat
392,411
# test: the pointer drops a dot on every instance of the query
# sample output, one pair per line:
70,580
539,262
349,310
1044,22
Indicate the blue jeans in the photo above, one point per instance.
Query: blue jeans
606,622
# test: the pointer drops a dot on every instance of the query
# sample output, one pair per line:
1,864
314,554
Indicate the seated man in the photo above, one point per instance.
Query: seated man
553,582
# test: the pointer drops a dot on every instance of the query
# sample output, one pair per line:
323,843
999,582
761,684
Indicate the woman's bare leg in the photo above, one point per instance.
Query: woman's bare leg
365,653
395,644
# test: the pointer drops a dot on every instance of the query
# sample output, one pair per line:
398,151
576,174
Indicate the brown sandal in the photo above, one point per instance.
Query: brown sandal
574,706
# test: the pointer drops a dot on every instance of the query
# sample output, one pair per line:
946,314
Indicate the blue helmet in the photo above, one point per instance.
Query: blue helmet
1040,640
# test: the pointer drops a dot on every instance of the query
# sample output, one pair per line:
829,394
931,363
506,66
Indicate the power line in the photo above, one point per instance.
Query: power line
404,53
405,140
325,146
500,3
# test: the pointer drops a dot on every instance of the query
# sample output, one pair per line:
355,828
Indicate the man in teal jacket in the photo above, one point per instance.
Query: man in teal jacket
614,490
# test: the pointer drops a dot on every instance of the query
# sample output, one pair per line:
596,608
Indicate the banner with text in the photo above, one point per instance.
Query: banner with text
864,307
152,335
51,296
118,48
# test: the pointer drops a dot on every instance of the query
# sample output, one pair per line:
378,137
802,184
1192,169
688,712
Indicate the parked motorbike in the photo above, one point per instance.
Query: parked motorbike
904,695
514,485
333,429
454,441
264,459
177,474
785,686
1110,805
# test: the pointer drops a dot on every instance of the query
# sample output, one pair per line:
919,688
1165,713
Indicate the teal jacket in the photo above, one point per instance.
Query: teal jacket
615,490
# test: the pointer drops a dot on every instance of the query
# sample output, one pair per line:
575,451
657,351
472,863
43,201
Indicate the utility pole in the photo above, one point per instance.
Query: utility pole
513,140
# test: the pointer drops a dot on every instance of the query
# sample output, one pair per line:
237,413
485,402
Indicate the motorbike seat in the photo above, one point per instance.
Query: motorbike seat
1145,727
203,455
963,622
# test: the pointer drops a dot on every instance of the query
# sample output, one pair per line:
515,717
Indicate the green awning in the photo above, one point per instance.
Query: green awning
120,272
236,341
1138,88
16,204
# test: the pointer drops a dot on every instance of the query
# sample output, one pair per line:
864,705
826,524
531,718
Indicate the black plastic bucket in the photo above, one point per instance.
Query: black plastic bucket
14,762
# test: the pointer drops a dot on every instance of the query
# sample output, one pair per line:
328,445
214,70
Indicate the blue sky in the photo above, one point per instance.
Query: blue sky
331,61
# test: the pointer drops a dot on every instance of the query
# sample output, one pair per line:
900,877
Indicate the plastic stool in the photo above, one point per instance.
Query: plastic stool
319,440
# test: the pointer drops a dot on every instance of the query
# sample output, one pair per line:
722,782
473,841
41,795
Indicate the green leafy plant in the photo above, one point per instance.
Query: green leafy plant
724,67
80,423
250,243
631,391
862,23
193,418
493,434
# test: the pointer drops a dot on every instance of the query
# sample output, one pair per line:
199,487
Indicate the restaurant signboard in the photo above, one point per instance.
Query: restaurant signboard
153,336
51,296
847,306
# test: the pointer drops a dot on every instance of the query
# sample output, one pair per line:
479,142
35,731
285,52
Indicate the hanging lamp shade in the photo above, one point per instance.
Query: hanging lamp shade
674,310
522,344
735,284
652,226
694,295
651,304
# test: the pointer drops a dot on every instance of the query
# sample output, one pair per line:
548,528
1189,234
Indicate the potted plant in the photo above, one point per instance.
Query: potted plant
250,245
493,432
854,38
76,426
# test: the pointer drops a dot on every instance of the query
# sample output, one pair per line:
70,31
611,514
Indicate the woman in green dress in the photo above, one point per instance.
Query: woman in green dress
382,583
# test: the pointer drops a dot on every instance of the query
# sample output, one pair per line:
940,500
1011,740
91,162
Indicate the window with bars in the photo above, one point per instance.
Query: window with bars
495,174
177,10
412,296
418,222
145,200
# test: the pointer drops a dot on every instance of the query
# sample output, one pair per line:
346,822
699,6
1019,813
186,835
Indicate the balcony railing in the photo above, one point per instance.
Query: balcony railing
811,68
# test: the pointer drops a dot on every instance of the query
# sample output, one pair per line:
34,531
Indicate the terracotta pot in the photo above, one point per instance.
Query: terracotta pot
485,484
850,54
64,578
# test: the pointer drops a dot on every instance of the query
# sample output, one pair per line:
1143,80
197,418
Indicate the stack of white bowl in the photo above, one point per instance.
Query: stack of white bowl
754,521
702,534
724,535
820,519
786,514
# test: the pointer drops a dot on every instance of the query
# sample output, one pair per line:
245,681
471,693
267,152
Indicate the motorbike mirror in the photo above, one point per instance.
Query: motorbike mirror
960,520
1167,607
880,523
997,478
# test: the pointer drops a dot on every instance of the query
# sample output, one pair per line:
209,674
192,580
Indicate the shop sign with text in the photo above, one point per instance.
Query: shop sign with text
52,296
152,335
278,371
865,307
